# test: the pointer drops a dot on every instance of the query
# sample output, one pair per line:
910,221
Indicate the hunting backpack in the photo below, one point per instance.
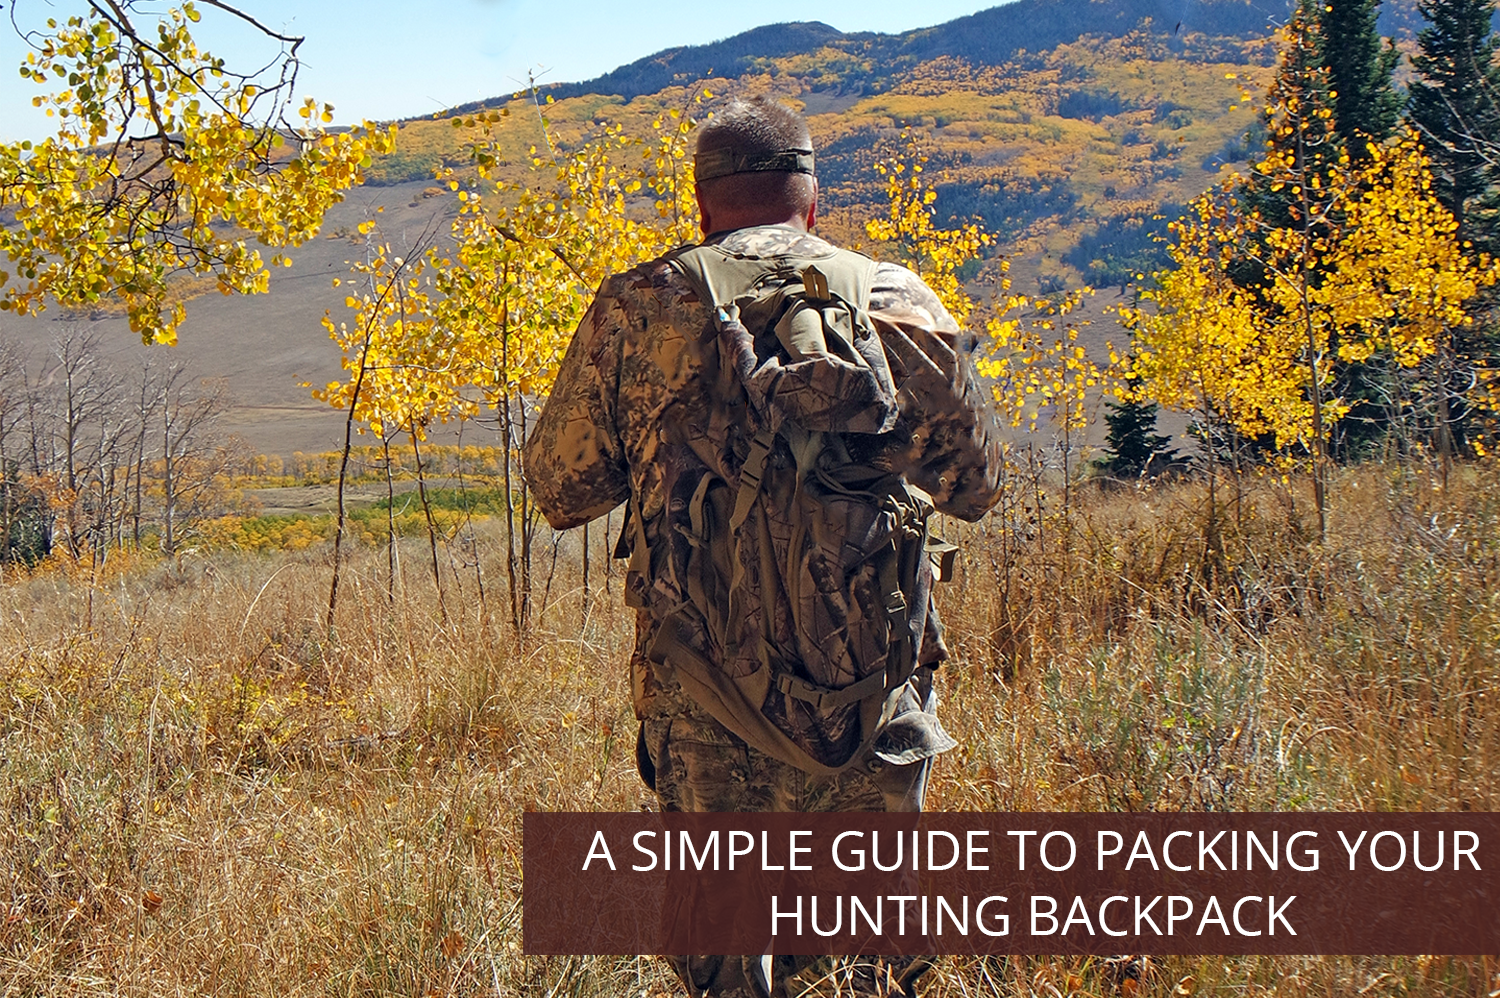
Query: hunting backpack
797,574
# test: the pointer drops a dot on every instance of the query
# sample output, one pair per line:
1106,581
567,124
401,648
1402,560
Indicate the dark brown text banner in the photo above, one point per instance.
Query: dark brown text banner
1264,883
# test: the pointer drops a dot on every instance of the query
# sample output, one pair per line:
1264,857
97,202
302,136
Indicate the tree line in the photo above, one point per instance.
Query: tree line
1338,299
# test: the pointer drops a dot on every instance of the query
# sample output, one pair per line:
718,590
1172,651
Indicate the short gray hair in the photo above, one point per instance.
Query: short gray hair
762,134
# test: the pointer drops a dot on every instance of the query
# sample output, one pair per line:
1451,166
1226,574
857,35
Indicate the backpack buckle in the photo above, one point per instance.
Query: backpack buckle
799,689
815,283
823,698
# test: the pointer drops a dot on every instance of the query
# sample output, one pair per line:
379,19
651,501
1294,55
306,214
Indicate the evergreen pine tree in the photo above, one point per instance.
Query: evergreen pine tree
1365,105
1132,440
1365,109
1455,103
1308,134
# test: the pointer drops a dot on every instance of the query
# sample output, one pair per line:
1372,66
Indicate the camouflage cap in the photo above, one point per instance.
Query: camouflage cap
713,163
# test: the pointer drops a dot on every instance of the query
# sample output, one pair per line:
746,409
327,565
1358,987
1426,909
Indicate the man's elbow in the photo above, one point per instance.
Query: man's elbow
969,512
567,510
558,514
971,498
559,521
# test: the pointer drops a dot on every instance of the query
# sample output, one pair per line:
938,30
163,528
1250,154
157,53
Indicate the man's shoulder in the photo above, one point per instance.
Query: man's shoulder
646,295
646,277
895,277
903,294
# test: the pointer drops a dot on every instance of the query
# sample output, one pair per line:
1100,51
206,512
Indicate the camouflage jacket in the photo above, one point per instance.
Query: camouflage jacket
631,409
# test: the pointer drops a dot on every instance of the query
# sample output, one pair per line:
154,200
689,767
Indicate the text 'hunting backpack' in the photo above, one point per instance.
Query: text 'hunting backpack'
789,577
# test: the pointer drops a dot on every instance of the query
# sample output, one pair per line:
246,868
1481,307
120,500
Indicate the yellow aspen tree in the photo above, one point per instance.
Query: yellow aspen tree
1031,351
488,310
164,162
1289,229
908,229
1369,264
480,320
1405,278
1198,338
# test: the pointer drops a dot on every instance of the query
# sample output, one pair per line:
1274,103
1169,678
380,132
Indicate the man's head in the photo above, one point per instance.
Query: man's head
754,167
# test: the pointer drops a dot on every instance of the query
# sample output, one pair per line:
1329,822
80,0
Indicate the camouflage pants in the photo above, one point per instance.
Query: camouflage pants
696,764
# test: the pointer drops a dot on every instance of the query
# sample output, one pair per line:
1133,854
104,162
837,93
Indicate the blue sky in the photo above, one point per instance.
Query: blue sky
388,59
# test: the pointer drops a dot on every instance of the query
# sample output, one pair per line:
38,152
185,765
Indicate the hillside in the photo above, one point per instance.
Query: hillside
1067,150
1103,129
1068,128
988,38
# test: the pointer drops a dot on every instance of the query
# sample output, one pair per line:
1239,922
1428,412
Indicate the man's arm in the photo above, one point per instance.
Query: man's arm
947,440
574,463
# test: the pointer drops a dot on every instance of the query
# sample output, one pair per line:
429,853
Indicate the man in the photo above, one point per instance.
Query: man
754,462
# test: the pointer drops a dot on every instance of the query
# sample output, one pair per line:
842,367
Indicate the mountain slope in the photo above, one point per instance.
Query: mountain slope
987,38
1066,126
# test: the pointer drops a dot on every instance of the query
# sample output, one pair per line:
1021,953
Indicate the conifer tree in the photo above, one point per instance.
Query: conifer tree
1359,65
1358,68
1455,103
1455,106
1132,440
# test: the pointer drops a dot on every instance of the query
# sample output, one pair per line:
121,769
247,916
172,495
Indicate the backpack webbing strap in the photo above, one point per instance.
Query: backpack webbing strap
735,702
823,697
751,473
632,545
767,586
900,657
698,535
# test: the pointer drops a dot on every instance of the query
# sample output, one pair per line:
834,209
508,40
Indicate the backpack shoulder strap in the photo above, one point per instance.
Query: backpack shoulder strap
722,277
719,277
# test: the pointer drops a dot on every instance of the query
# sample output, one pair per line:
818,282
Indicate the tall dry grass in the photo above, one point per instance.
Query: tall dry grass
202,791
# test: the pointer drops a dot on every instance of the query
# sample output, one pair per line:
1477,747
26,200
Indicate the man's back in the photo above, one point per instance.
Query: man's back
637,413
772,409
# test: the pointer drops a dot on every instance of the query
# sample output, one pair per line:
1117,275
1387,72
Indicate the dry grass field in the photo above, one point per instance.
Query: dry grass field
203,791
